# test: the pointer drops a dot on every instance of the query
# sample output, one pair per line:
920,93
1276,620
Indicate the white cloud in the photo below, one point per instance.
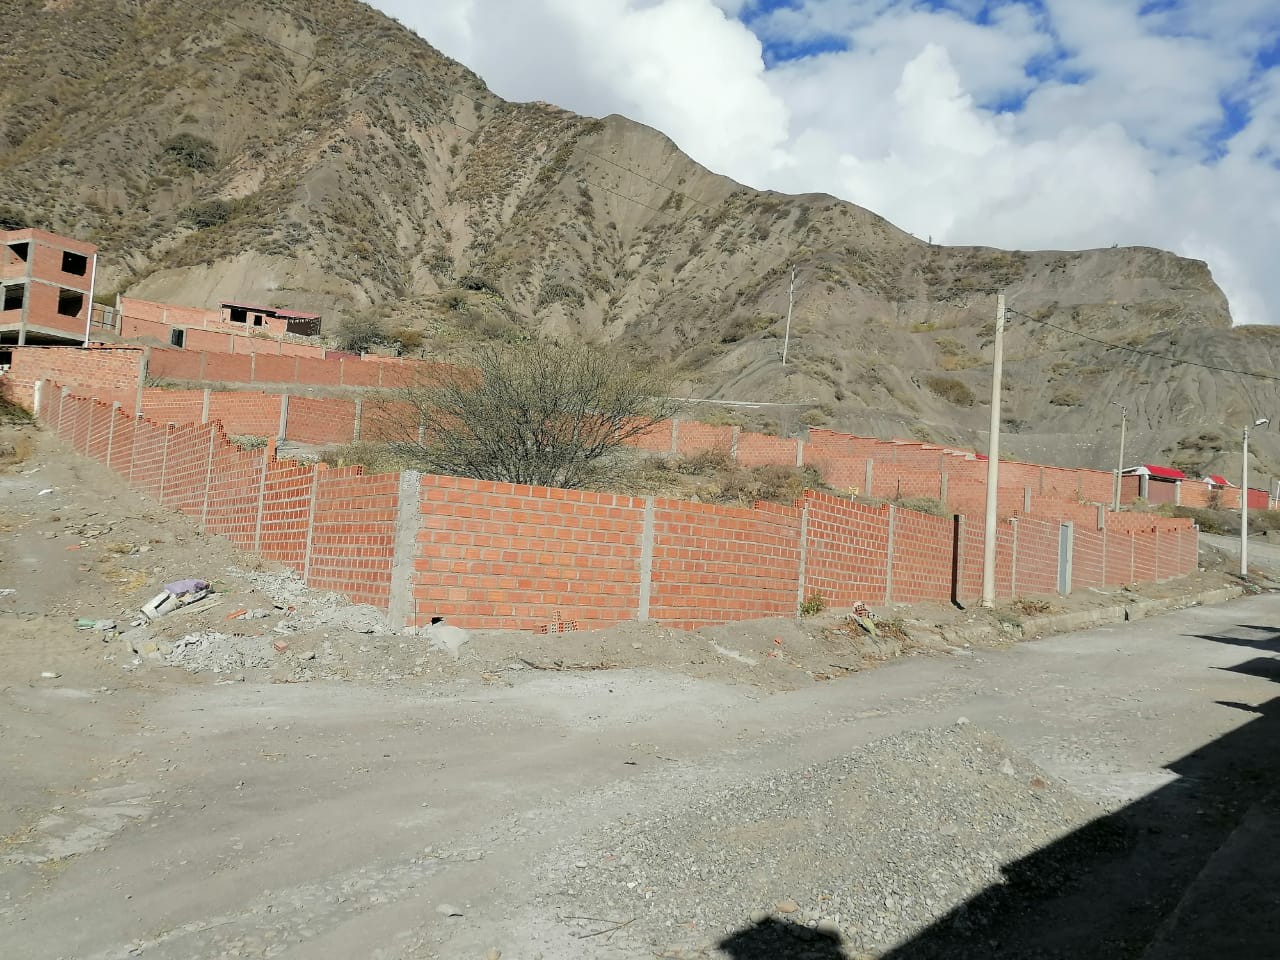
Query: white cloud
1112,132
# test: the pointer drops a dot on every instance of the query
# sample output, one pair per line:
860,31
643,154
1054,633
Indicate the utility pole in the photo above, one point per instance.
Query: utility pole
1244,499
791,302
1124,412
993,465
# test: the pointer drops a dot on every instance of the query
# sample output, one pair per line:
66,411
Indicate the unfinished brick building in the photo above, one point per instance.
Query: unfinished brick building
46,287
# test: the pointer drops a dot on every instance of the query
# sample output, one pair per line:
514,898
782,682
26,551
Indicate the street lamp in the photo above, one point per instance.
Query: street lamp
1244,499
993,465
1124,413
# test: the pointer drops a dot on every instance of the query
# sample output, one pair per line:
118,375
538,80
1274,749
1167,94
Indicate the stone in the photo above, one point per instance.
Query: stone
787,906
448,910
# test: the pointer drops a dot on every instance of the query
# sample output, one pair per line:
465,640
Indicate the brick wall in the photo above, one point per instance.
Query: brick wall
110,373
504,555
498,555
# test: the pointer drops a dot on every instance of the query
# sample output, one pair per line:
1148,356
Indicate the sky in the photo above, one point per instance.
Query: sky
1026,124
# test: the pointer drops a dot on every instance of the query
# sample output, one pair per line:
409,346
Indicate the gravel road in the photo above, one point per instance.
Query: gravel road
452,820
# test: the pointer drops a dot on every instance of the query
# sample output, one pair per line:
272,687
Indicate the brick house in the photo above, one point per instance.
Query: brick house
46,287
275,321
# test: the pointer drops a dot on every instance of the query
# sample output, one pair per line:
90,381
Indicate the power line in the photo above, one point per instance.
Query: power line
1140,352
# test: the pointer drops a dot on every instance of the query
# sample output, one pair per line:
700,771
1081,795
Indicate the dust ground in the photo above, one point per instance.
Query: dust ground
361,794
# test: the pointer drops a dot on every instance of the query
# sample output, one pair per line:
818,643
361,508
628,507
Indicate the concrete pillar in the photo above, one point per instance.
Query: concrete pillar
359,415
799,451
675,436
284,416
868,477
1177,492
646,562
1026,500
208,480
942,488
1155,570
804,555
267,453
204,405
37,399
62,406
734,433
1013,572
890,546
311,521
111,431
253,367
401,608
164,457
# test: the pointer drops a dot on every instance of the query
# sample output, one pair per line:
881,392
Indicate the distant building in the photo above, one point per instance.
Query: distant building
46,287
1157,484
272,319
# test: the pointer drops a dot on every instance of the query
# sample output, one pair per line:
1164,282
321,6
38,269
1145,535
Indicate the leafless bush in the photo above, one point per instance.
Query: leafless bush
535,412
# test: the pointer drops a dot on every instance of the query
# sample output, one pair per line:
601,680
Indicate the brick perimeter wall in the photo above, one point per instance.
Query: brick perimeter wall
498,555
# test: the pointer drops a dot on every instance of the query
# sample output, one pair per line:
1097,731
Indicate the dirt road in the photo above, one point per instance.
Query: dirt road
332,820
971,803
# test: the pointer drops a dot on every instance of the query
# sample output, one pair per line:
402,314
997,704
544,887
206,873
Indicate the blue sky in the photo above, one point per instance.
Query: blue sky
1051,124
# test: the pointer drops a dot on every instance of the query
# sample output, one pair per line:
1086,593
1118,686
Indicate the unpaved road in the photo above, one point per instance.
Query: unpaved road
329,820
713,795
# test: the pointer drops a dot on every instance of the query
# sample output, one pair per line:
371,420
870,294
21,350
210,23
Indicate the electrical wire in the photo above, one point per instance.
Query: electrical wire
1142,353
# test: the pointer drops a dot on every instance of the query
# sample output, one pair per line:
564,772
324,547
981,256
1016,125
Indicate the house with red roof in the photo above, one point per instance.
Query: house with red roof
1157,484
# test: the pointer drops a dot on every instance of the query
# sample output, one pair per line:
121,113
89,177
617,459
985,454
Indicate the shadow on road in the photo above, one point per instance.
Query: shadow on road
1114,886
773,940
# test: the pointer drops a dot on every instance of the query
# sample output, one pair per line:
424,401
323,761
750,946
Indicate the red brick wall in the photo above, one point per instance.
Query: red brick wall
246,414
498,555
353,533
755,449
110,373
321,421
715,564
847,550
502,555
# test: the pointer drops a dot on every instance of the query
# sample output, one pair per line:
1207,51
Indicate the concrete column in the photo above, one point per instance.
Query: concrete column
942,488
164,457
253,367
342,371
1064,575
799,451
208,481
1143,485
1156,565
734,433
890,546
284,416
204,406
1042,480
267,451
62,405
1013,572
311,521
111,431
1177,493
88,429
1026,500
957,559
1102,516
401,610
203,357
37,399
646,562
868,477
804,556
357,426
675,436
1104,556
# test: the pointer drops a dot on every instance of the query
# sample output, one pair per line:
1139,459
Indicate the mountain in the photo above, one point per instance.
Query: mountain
319,156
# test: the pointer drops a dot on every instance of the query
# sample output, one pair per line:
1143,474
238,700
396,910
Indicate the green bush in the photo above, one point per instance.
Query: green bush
210,213
813,604
951,390
194,153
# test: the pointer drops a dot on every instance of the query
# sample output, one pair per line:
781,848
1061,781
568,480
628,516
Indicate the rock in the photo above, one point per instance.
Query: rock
962,721
787,906
50,675
1007,768
447,638
828,926
448,910
494,954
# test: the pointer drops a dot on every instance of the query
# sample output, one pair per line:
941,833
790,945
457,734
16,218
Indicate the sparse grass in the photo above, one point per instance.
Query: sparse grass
247,442
1030,606
1070,397
933,507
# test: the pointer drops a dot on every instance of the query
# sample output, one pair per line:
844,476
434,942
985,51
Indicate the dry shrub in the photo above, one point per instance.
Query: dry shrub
951,390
